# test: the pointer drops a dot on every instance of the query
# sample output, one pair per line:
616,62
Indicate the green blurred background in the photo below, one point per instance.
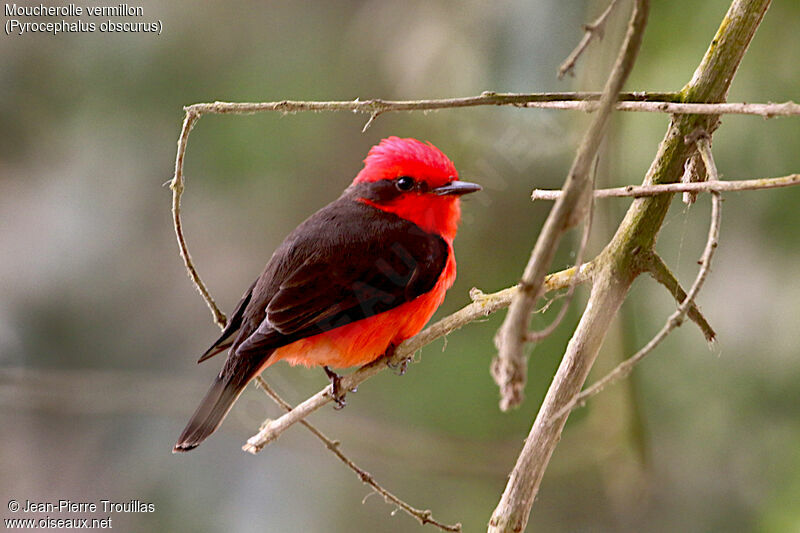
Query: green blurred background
100,328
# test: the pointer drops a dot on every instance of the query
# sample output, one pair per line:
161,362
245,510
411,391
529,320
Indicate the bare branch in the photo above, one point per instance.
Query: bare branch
482,305
662,274
378,106
508,368
649,102
536,336
372,119
640,191
596,28
424,517
786,109
704,148
177,190
676,319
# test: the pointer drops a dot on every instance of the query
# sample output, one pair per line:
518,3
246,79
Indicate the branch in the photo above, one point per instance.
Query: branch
770,110
536,336
687,304
424,517
177,190
662,274
482,305
508,368
641,191
596,28
621,261
378,106
693,171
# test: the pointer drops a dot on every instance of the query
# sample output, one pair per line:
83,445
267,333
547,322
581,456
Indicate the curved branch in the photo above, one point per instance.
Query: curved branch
177,190
374,108
536,336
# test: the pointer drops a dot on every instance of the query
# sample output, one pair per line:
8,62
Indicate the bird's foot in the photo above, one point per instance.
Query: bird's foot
399,368
337,393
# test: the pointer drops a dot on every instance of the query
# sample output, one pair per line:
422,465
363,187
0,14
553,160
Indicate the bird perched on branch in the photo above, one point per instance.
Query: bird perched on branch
350,283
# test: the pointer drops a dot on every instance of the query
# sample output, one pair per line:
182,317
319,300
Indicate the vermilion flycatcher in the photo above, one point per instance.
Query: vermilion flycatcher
350,283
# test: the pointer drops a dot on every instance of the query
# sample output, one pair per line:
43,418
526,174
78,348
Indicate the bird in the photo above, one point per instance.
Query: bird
350,283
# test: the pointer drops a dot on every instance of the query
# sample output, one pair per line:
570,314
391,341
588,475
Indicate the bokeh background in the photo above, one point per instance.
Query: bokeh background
100,328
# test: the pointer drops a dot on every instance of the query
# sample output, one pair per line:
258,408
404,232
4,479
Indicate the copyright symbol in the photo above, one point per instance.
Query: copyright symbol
13,506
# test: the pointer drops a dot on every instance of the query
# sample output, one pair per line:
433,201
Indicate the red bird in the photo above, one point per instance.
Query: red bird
350,283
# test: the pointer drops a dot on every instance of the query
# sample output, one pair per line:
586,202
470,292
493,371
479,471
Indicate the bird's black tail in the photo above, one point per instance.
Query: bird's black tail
211,412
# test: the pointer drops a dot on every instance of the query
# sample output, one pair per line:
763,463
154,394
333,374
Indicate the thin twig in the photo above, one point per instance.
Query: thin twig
770,110
659,270
508,367
639,191
596,28
377,105
536,336
177,190
482,305
424,517
676,319
641,101
372,119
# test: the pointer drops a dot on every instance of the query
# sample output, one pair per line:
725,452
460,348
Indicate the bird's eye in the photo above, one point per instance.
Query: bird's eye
404,183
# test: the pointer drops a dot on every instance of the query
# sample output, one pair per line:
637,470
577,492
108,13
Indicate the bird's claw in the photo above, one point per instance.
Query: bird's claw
340,401
401,367
337,394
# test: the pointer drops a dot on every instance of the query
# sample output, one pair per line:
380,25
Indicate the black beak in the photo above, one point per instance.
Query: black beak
457,188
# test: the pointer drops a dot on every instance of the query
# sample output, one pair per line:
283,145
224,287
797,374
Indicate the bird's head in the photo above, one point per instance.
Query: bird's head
415,181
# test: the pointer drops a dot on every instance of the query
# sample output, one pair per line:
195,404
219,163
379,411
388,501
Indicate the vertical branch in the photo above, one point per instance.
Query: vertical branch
511,514
177,190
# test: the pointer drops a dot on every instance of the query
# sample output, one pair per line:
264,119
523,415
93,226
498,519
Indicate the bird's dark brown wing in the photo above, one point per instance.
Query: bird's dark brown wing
348,262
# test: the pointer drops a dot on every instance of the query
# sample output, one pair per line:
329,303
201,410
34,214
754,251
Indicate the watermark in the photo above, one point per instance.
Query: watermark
29,19
30,514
